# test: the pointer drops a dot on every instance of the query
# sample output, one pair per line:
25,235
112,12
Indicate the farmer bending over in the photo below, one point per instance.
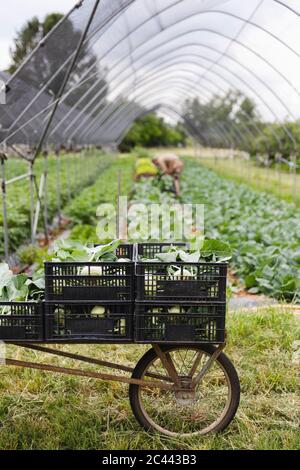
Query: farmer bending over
170,164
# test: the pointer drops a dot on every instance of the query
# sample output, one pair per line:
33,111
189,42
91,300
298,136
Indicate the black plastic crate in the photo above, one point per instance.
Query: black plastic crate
202,323
21,321
150,250
155,283
111,282
89,322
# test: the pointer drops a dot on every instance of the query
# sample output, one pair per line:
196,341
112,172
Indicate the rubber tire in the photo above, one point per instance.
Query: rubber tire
222,359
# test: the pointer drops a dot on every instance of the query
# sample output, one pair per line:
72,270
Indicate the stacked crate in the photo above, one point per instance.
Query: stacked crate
90,302
179,309
21,321
123,302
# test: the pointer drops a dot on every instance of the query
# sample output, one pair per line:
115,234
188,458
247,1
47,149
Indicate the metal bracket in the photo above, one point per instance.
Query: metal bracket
196,381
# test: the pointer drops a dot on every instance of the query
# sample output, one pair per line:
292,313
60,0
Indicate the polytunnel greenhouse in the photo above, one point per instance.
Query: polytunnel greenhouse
107,63
130,111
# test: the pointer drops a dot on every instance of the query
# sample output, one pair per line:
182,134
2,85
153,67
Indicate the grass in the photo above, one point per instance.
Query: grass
281,184
77,172
40,410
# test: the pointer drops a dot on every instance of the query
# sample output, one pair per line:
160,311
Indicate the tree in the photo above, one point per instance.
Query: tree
152,131
223,121
232,119
29,37
50,63
279,139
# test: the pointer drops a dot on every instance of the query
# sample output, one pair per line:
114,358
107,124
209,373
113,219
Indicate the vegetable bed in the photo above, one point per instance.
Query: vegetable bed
263,231
18,196
82,210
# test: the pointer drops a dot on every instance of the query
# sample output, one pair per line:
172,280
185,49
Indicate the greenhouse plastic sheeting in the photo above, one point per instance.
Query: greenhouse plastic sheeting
145,55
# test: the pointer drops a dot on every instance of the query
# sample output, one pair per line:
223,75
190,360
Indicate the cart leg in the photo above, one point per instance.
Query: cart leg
208,365
167,363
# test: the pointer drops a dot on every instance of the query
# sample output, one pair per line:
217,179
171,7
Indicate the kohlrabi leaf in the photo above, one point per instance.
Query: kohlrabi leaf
6,276
189,257
215,246
167,257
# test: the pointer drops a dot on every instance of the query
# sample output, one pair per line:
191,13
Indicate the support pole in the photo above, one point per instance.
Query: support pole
4,206
31,183
65,81
68,178
80,171
294,190
39,192
18,152
118,204
87,166
278,169
46,224
58,186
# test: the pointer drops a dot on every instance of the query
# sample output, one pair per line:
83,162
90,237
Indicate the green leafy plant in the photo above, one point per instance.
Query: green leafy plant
74,251
262,230
20,287
18,195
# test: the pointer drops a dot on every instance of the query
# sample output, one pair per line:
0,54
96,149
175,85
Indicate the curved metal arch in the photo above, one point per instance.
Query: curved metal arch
264,30
238,135
220,77
136,114
126,109
239,77
116,45
262,59
117,120
257,128
197,130
159,71
160,12
126,105
206,46
219,132
282,4
187,93
189,127
212,12
95,31
42,43
219,65
209,80
121,100
124,114
251,72
185,122
287,7
112,109
229,38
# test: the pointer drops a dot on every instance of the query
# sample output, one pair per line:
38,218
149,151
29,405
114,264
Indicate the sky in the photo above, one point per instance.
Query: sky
13,15
209,46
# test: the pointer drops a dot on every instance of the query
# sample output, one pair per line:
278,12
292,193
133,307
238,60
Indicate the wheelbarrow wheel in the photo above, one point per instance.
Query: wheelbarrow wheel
188,409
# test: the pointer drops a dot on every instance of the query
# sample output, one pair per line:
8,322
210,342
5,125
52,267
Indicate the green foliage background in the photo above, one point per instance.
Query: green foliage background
151,131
